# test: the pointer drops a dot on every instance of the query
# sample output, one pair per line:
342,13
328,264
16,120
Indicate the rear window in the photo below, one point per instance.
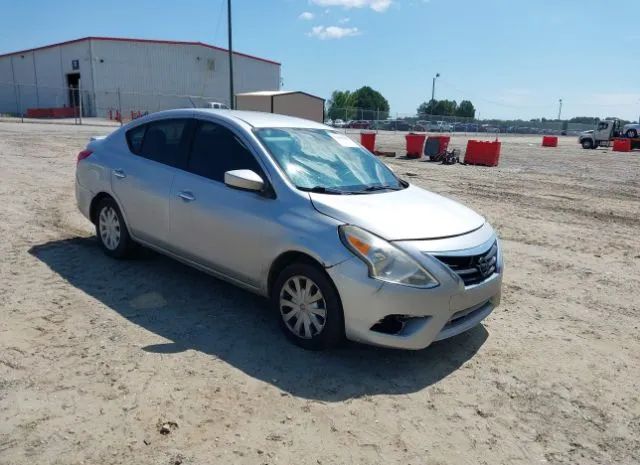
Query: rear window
161,141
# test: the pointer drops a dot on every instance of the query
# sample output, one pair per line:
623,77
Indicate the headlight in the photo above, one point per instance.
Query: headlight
385,261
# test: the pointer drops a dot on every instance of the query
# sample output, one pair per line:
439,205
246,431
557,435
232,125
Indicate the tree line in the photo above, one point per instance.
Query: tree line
367,103
464,109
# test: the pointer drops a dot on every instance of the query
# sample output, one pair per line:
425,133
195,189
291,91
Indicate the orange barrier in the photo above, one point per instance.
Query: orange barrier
622,145
481,152
63,112
415,142
368,140
549,141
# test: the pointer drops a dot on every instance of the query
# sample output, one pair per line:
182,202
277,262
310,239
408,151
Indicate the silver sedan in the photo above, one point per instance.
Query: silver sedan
299,213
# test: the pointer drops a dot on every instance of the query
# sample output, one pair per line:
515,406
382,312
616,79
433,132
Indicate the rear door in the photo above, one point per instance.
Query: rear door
226,229
141,179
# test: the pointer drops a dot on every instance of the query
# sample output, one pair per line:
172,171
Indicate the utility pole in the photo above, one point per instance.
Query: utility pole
231,92
559,109
433,87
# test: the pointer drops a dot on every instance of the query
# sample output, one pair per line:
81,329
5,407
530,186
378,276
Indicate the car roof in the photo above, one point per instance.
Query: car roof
259,119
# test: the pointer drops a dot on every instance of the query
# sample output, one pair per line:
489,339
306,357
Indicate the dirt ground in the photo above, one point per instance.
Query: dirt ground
149,362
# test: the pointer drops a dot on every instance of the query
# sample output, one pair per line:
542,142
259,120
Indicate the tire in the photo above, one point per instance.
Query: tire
316,324
586,144
112,231
631,133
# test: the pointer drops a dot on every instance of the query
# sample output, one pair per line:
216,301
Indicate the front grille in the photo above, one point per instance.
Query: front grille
473,269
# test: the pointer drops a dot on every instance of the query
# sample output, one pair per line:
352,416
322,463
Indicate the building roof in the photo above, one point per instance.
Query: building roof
271,93
148,41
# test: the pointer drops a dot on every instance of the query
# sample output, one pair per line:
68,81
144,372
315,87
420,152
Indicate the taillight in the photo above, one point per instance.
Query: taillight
82,155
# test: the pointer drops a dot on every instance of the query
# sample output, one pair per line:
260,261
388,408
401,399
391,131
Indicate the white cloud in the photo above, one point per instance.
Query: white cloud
344,20
306,15
333,32
376,5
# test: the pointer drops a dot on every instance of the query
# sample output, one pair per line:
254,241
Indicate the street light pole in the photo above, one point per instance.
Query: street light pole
433,87
231,92
559,108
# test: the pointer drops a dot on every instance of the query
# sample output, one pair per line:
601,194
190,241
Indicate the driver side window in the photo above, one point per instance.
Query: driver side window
216,150
602,126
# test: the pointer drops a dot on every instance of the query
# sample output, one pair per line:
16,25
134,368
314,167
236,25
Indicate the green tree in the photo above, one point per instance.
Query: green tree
439,108
371,103
426,108
364,103
466,109
341,105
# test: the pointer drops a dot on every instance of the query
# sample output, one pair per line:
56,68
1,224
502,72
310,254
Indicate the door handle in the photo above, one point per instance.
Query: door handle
119,174
186,196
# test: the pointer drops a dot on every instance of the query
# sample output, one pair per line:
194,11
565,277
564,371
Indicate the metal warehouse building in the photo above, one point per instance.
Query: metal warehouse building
130,75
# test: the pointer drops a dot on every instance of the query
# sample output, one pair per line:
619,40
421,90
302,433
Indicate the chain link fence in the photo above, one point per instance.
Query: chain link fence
351,119
72,105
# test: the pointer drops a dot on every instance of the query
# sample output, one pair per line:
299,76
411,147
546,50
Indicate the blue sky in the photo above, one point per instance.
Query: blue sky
511,58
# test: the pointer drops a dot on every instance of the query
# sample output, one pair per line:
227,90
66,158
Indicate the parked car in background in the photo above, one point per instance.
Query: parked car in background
338,123
216,106
359,124
421,126
298,213
444,126
631,129
397,125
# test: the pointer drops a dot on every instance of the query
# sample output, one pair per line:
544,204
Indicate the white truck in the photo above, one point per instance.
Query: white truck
608,130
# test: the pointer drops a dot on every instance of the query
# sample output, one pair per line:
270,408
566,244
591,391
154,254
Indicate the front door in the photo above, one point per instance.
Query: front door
603,131
222,228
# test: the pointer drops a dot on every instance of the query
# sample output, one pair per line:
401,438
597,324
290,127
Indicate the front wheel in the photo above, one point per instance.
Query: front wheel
632,133
309,307
587,144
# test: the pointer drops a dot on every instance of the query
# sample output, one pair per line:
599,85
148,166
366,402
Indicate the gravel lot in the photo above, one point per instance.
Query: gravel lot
147,361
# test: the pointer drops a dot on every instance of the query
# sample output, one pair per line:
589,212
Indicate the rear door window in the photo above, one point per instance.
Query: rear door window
216,150
134,138
162,141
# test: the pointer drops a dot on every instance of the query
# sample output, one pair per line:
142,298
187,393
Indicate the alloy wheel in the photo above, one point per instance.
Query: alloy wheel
303,307
109,226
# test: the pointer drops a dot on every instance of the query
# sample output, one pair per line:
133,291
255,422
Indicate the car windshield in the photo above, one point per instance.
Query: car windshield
327,161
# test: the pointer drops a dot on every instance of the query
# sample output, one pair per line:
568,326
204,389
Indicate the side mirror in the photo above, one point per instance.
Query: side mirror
244,179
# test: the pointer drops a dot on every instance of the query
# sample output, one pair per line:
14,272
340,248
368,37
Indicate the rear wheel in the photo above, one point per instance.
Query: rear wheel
632,133
309,307
111,230
587,143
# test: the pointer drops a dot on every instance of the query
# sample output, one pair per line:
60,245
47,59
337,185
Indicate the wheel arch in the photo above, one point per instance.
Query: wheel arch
93,208
294,256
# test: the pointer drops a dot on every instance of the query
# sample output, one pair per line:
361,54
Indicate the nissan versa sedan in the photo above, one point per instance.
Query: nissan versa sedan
299,213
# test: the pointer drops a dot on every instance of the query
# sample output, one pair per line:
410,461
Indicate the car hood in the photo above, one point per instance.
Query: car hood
590,131
410,214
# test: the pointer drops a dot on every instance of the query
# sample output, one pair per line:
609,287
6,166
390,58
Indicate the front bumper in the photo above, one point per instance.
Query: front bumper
428,314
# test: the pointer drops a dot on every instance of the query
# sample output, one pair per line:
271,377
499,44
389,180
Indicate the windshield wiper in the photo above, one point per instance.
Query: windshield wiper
381,187
323,190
